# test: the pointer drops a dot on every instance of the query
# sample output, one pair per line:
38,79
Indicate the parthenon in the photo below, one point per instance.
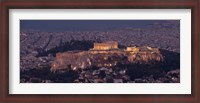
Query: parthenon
110,45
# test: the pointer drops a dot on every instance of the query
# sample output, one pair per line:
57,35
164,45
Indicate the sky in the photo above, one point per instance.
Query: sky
83,25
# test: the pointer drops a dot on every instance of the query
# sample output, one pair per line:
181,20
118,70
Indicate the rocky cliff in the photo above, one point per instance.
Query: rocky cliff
85,59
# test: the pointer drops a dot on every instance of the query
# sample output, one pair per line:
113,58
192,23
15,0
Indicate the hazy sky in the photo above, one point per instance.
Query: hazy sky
83,25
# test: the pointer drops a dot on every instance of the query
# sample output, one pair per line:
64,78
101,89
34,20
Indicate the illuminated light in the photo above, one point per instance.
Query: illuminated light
75,68
83,65
149,48
54,65
90,63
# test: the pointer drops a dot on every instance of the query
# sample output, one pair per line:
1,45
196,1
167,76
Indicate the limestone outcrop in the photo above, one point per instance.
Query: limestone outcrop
85,59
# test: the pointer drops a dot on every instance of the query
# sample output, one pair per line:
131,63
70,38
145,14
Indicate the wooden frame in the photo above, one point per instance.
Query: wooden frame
119,4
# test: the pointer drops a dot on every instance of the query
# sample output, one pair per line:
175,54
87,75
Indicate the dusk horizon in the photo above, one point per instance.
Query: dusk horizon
86,25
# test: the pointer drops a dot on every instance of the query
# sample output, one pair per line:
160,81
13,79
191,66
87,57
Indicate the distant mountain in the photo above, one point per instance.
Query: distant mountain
166,24
89,25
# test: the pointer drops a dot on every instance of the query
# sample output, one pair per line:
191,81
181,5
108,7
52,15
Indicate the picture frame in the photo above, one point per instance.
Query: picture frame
89,4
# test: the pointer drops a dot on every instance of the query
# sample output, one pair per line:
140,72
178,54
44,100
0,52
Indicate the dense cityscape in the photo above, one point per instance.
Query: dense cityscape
38,49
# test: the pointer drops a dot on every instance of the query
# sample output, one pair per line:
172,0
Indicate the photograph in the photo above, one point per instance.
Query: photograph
70,51
99,51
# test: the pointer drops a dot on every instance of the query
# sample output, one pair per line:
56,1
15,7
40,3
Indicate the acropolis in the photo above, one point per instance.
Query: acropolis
105,54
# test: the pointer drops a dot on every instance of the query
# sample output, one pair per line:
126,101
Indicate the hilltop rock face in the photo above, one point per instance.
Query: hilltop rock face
86,59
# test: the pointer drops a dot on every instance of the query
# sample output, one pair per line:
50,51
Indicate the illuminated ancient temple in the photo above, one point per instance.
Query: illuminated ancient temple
110,45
